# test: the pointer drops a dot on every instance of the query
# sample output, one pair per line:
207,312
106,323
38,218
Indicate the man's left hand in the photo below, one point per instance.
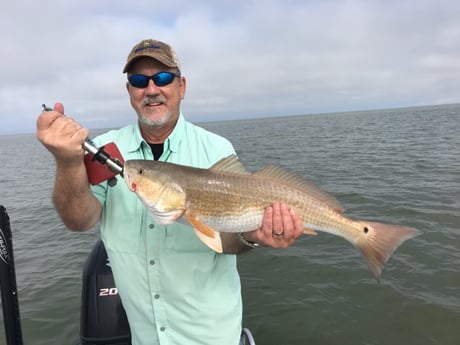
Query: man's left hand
281,227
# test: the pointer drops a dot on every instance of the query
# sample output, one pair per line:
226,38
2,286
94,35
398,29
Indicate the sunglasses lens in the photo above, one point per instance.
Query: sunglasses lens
160,79
139,80
163,78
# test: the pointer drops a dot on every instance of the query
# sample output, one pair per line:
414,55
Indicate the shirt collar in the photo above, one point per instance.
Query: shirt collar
173,141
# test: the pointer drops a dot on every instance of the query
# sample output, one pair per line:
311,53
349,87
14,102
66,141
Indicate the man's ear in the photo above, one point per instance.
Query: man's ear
183,84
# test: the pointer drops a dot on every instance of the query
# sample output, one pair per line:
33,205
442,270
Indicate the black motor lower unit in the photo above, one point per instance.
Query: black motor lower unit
103,319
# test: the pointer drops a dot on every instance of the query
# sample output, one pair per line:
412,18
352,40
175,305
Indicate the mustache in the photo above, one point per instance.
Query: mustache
153,99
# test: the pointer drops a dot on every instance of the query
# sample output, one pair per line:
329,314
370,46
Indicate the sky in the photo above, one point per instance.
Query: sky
241,58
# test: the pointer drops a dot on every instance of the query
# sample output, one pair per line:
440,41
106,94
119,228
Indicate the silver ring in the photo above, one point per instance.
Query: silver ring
278,233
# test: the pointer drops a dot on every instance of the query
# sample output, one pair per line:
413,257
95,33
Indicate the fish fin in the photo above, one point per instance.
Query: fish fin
230,164
214,243
207,235
285,176
379,241
309,232
200,227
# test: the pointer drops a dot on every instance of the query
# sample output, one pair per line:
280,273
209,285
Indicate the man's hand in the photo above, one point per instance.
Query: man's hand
281,227
61,135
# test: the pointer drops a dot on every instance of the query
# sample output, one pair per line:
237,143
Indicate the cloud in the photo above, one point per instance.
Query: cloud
241,58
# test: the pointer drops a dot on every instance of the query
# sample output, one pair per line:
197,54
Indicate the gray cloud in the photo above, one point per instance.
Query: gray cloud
241,59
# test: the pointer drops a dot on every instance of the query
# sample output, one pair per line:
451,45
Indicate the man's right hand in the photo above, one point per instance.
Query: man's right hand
61,135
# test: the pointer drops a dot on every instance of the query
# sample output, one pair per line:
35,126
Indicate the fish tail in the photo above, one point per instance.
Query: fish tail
379,241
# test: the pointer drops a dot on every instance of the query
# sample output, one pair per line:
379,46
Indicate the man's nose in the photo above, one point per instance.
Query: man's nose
151,88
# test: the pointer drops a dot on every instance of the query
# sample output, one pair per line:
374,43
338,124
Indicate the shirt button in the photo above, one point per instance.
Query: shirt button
151,226
163,329
157,296
152,262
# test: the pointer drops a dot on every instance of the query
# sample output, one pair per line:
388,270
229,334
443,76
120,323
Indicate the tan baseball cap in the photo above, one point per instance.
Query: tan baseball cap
157,50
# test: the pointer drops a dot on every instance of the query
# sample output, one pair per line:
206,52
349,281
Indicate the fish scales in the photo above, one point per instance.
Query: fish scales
230,208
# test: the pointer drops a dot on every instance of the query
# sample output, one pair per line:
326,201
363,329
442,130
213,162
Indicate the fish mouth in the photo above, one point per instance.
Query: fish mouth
131,185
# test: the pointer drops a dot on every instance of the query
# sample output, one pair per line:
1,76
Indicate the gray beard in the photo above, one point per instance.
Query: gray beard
151,123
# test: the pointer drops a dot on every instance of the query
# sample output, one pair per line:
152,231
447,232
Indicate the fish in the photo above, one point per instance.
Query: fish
226,198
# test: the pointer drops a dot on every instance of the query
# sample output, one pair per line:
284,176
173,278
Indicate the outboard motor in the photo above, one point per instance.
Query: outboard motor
103,319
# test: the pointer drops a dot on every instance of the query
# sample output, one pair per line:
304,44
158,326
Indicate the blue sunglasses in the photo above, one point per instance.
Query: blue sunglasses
141,81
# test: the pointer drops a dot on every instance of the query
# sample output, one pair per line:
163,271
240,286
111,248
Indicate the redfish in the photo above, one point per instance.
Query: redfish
227,198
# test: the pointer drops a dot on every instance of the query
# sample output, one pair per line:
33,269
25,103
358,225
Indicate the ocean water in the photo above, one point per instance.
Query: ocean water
397,166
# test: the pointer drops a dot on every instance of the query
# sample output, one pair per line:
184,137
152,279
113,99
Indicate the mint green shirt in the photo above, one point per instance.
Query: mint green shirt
175,290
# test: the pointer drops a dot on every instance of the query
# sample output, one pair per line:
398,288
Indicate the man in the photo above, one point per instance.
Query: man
175,290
